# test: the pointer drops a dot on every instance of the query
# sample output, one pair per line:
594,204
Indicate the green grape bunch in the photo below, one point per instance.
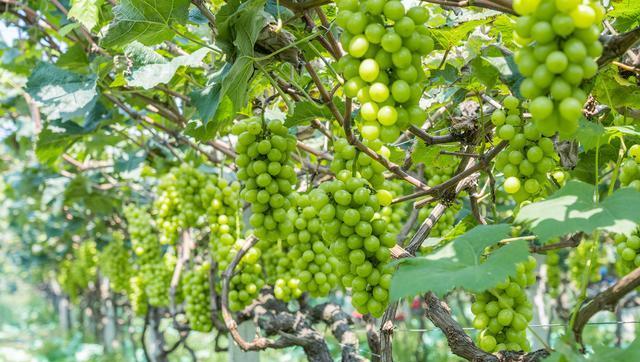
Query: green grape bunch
115,263
383,68
264,149
152,267
502,314
587,251
627,253
182,199
529,157
554,273
247,280
560,46
197,297
358,237
630,168
137,296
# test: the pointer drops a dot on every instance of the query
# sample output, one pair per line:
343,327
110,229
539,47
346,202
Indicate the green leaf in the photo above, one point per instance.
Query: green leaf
62,94
626,14
614,91
239,25
306,111
147,21
585,169
563,352
75,58
450,36
461,263
431,157
86,12
150,70
58,136
590,134
484,70
573,209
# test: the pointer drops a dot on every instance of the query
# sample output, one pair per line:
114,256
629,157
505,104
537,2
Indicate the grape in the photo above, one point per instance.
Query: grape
197,301
264,146
630,168
137,296
503,313
180,202
78,270
627,250
553,273
577,262
153,269
383,69
357,238
530,154
558,62
115,264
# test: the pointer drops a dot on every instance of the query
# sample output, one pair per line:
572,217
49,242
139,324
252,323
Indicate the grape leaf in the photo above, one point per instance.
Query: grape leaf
431,157
450,36
147,21
62,94
626,14
461,263
564,352
86,12
306,111
573,209
149,70
612,90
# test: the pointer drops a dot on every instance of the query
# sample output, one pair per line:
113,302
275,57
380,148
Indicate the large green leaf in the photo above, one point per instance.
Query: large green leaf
239,25
147,21
58,136
451,36
62,94
572,209
431,157
86,12
149,70
461,263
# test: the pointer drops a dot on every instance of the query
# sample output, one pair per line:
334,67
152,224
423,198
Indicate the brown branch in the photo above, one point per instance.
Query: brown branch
606,300
616,45
373,337
305,5
339,322
571,242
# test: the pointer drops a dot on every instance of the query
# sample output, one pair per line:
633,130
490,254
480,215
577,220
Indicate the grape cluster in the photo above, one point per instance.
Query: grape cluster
137,296
503,313
437,175
115,263
628,253
281,272
246,282
358,239
153,269
197,299
630,168
383,68
529,157
179,204
309,253
554,273
560,47
264,149
78,270
577,262
347,157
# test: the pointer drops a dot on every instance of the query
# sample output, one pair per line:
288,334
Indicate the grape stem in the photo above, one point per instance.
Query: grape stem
606,300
